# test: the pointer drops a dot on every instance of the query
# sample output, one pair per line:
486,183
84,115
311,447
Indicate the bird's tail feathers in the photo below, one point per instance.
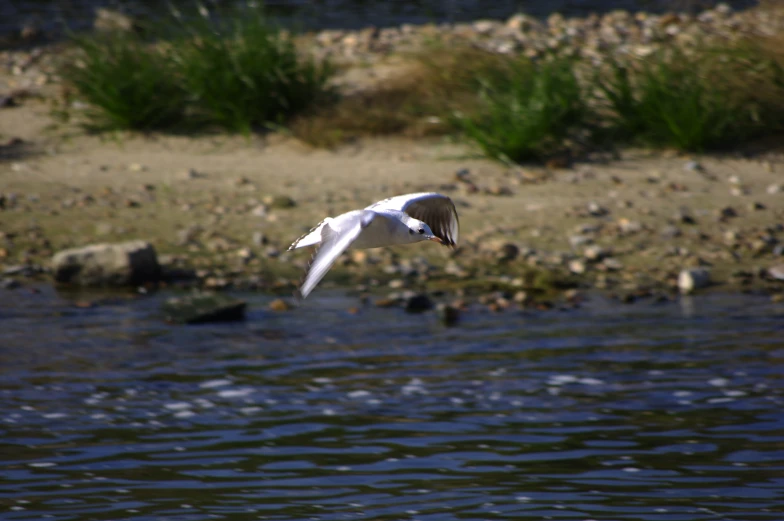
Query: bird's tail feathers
310,238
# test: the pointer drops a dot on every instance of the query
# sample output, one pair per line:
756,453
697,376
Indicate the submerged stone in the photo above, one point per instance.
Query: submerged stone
202,308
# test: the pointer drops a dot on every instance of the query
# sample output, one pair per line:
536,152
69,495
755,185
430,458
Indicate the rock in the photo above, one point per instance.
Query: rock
577,267
189,234
776,272
670,232
579,240
280,305
629,227
259,239
725,213
448,315
190,173
119,264
386,302
774,189
507,252
202,308
522,298
9,284
693,166
107,20
594,253
279,201
683,215
7,101
612,264
693,279
597,210
418,303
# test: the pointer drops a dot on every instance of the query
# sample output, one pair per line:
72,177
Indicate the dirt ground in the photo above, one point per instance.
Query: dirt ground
202,199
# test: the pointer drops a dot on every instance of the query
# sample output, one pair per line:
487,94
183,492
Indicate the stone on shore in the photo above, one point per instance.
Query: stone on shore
203,308
692,279
120,264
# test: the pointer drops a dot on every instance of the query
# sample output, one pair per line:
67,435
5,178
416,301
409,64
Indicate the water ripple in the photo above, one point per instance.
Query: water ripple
635,413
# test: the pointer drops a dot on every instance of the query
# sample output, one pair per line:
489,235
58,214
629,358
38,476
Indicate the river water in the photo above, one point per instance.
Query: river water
653,411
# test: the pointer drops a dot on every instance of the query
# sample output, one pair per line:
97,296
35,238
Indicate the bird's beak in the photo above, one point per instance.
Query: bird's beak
439,240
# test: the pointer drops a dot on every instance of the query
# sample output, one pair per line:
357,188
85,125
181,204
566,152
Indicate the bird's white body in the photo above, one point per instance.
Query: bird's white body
404,219
387,229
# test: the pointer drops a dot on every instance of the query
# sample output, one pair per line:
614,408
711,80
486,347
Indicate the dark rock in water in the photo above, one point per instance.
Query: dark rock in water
122,264
9,284
202,308
448,315
418,303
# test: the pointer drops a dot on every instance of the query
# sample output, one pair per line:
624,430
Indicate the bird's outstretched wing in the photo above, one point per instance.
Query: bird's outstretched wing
437,210
333,243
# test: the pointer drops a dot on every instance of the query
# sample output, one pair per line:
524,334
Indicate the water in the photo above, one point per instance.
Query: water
50,16
647,412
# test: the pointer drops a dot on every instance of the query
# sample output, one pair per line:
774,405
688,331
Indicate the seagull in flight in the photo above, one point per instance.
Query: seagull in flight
403,219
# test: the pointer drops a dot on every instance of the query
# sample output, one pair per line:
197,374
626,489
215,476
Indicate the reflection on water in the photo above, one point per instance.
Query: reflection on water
644,412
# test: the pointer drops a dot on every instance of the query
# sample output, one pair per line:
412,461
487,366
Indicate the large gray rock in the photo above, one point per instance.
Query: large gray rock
122,264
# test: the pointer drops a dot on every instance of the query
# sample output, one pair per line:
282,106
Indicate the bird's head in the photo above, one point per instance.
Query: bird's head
420,231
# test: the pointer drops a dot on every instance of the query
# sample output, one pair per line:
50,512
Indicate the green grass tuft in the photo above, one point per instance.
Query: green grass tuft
527,112
235,71
704,100
127,84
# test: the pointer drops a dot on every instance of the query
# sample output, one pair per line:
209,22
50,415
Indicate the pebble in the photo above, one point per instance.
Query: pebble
448,315
279,202
683,215
629,227
507,252
579,240
725,213
594,253
693,166
773,189
280,305
577,267
670,232
597,210
692,279
189,174
776,272
612,264
259,239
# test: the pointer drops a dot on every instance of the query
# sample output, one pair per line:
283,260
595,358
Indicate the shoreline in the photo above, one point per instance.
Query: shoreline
627,225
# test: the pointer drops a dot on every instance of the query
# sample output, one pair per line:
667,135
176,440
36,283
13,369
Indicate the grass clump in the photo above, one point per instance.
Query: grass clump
706,99
235,71
528,112
126,83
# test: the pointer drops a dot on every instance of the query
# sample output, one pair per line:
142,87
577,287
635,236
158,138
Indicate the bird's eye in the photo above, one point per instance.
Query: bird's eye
421,231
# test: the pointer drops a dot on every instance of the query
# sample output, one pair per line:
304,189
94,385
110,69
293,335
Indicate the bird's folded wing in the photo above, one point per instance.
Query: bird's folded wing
333,244
437,210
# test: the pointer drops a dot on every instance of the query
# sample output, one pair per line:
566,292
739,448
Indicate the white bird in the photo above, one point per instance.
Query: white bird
403,219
